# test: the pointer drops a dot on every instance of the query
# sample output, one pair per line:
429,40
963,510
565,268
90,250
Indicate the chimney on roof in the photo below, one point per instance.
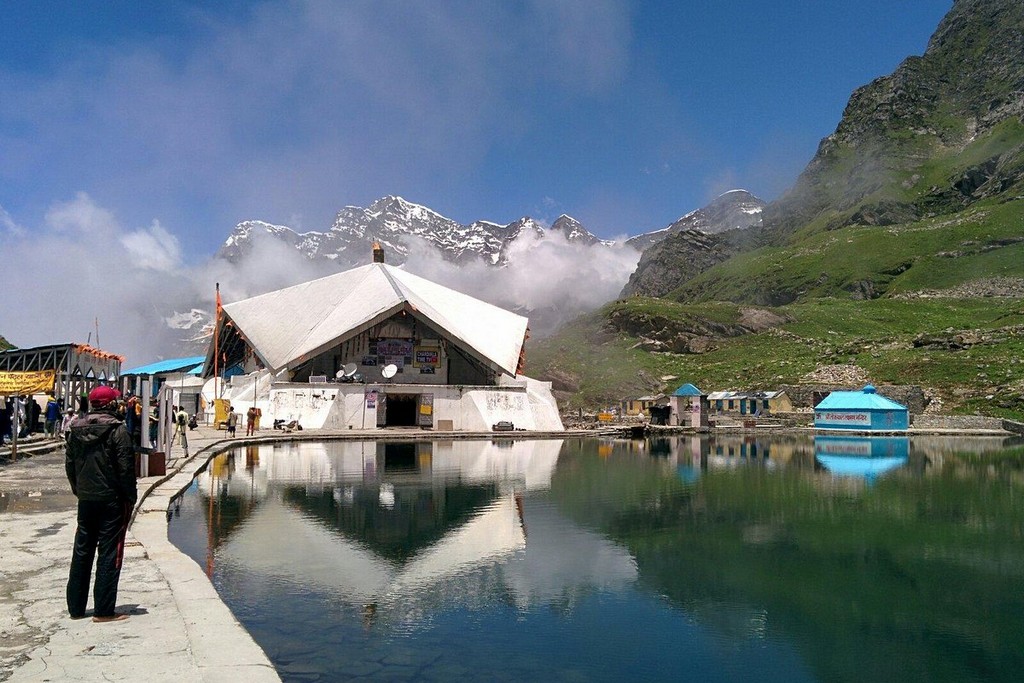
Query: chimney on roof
378,253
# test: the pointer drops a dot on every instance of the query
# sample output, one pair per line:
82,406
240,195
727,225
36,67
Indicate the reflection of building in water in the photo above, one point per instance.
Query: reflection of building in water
867,457
393,530
732,450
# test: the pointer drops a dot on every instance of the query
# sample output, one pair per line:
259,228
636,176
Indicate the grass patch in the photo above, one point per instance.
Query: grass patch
877,335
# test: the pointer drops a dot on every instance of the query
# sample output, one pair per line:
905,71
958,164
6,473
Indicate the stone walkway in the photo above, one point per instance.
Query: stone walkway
179,629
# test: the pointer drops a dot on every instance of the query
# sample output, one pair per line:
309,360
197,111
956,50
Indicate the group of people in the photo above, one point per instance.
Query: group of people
252,419
25,411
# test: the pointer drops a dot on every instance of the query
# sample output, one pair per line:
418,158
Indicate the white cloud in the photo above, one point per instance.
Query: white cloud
552,278
82,216
8,224
153,248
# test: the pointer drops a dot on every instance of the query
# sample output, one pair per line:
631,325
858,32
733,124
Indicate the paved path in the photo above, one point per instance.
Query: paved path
179,629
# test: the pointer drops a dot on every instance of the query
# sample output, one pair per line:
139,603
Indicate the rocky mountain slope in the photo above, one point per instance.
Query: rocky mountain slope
894,156
733,210
694,243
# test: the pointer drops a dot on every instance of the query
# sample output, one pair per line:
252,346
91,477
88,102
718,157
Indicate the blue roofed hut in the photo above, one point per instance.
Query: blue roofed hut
863,410
181,374
689,407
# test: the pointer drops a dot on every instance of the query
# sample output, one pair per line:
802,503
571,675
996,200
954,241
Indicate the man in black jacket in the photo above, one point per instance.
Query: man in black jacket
100,465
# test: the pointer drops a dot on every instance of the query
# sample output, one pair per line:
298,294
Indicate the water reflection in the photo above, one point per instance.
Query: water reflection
389,527
721,558
868,457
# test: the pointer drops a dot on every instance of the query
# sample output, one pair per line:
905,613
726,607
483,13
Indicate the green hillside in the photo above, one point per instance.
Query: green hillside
967,352
983,241
4,344
898,253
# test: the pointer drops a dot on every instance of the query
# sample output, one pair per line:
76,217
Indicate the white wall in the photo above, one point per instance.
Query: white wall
527,404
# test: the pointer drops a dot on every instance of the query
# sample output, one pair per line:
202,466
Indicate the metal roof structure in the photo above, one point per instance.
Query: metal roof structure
169,365
734,395
866,399
289,326
687,390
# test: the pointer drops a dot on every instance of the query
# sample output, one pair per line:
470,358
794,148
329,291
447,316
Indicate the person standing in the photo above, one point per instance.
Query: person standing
32,411
52,417
5,421
180,423
250,421
19,417
65,425
232,421
100,466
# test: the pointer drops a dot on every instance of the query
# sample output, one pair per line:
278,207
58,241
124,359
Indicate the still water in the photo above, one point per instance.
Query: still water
688,558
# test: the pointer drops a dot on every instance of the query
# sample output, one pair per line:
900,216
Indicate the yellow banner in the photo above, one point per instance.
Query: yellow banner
38,382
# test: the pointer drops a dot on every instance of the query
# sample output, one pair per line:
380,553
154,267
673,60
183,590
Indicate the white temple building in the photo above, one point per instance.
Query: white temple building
377,346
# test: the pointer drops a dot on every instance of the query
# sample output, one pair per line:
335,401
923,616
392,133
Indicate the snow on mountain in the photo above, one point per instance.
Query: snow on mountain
398,225
735,209
573,231
395,224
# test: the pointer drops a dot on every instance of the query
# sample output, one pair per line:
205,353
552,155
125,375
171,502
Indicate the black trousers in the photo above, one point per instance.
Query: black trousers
101,527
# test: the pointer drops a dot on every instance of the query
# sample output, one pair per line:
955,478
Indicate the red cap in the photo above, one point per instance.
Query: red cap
102,395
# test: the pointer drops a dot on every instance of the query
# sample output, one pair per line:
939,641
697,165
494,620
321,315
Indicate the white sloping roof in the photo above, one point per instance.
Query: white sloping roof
296,323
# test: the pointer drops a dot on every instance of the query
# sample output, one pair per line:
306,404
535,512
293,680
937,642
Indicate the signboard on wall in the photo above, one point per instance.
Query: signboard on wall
37,382
371,399
427,357
394,347
857,419
426,416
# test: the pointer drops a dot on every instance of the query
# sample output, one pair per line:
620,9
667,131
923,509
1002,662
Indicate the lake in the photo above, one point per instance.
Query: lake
723,558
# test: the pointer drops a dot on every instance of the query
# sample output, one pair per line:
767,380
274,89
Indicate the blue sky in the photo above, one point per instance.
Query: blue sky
188,118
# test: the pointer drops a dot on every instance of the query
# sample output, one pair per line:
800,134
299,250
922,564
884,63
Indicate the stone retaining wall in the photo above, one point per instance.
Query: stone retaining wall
955,422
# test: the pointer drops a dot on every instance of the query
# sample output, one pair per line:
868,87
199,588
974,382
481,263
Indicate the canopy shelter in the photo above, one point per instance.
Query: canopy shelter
283,329
181,374
163,367
67,370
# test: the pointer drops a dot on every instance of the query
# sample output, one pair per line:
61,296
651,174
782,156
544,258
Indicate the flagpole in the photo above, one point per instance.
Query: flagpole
216,346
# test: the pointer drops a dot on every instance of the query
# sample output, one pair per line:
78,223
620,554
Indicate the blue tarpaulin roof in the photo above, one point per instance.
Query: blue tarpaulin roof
687,390
170,365
866,399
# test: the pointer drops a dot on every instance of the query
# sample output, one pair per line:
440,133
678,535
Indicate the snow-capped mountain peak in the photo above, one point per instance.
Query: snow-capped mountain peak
732,210
398,224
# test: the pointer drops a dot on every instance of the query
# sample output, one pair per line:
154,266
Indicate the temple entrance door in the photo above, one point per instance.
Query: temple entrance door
400,410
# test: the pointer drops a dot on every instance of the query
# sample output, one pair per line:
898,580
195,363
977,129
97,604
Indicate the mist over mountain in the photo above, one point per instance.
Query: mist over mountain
550,274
